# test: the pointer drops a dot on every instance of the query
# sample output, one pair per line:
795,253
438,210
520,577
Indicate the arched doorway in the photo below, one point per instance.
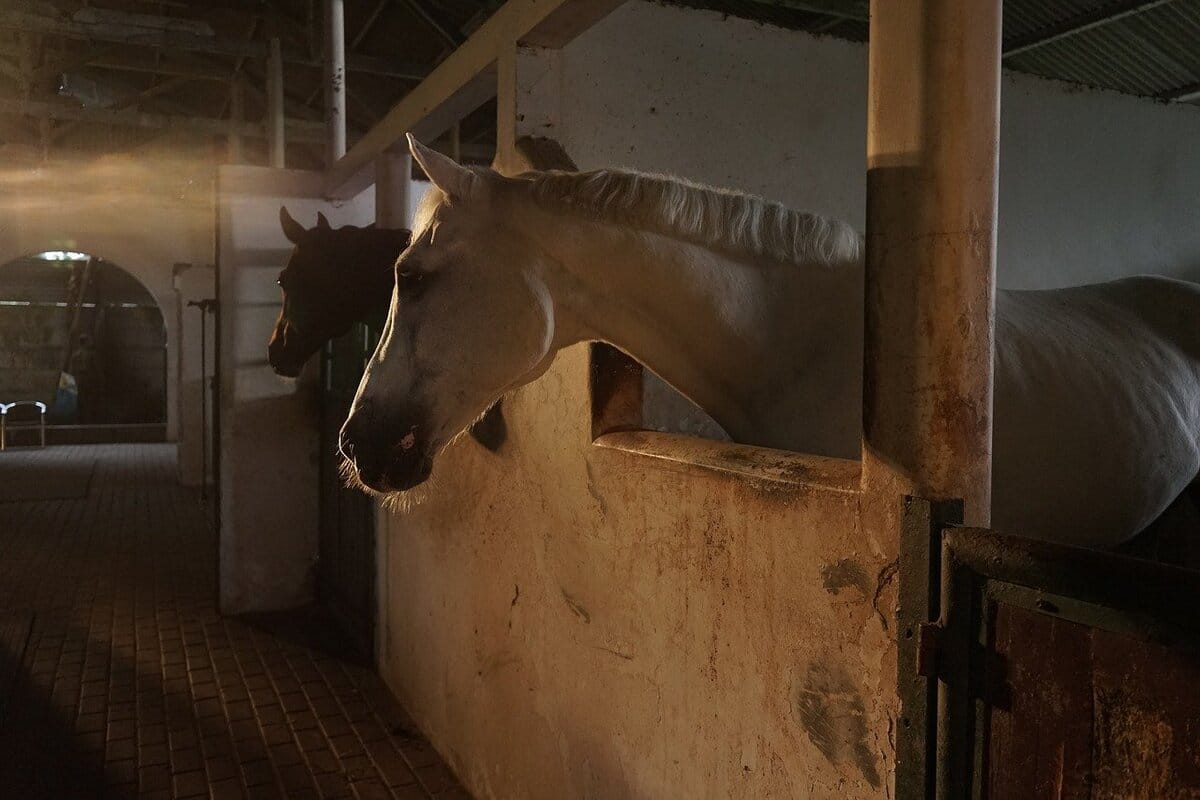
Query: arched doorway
84,336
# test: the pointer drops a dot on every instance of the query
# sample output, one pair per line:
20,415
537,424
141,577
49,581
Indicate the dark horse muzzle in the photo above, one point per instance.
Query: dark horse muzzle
287,351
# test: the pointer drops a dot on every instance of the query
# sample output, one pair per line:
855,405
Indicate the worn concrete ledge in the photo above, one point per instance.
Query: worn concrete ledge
744,462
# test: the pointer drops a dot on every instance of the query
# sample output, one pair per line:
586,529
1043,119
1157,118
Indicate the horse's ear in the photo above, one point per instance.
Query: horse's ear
456,181
291,229
322,222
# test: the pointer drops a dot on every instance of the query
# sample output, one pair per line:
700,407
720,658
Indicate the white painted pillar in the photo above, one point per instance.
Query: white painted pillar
932,146
393,172
335,80
276,144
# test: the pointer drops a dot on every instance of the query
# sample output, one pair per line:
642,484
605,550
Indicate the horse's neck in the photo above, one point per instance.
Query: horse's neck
773,352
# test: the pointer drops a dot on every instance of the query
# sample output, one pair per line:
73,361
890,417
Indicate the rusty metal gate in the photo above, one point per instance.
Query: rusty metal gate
1034,670
346,565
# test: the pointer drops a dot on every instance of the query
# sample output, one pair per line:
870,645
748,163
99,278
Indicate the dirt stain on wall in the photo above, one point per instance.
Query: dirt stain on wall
830,708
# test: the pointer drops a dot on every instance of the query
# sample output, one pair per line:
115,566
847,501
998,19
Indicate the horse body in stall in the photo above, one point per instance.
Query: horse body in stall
754,312
335,278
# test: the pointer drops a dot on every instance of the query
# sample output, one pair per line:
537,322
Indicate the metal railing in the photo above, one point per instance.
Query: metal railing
5,408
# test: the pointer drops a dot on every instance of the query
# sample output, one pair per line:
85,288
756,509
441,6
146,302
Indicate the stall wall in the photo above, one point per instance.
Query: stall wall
144,216
567,620
268,439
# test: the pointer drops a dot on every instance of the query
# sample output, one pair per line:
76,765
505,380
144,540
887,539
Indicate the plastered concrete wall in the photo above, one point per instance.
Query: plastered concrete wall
144,216
569,621
268,542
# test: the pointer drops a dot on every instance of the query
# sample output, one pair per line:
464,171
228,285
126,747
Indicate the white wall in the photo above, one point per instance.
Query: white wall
1093,185
269,511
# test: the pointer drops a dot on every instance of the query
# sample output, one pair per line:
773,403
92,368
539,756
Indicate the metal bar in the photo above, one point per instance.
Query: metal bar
857,10
1184,94
1078,24
298,130
1163,591
237,113
919,600
73,62
125,102
367,25
237,66
276,143
955,713
449,37
130,65
83,276
177,41
335,81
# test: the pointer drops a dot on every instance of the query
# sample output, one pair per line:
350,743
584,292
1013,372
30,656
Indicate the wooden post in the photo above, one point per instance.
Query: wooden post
335,80
932,143
393,173
276,144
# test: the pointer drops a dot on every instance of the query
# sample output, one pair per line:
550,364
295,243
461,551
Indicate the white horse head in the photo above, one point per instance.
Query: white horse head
469,320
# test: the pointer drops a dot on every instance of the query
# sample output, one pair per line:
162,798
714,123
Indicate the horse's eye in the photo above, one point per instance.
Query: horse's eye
409,278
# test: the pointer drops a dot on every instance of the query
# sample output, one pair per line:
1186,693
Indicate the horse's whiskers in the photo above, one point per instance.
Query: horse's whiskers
392,501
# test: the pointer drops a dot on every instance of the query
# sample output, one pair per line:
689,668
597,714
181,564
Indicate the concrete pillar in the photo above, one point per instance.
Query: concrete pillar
932,144
335,80
393,171
276,143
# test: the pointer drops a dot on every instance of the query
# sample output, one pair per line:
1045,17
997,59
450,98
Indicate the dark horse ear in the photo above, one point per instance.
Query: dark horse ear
291,229
322,223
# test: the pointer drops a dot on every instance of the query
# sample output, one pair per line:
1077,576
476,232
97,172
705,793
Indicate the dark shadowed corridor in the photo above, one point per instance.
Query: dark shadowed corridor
118,678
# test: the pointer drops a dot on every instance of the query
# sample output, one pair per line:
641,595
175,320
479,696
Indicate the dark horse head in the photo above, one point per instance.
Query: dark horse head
333,279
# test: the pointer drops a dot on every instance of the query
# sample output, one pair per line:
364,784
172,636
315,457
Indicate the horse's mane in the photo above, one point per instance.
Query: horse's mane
720,219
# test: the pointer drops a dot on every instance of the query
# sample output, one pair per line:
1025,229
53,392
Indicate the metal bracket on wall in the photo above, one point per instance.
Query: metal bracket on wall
919,606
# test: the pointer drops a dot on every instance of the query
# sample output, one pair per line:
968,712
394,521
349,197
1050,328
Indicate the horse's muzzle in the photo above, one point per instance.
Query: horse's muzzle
286,353
386,458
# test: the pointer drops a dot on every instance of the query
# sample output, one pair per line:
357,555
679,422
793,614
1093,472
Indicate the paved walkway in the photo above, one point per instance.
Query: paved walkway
131,685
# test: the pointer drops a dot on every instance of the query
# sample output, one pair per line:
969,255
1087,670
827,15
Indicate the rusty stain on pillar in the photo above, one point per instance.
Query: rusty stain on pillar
932,146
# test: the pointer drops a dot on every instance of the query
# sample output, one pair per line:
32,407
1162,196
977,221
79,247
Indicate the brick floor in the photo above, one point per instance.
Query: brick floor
132,685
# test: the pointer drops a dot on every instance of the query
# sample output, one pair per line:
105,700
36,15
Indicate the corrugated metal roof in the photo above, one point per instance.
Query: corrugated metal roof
1149,48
